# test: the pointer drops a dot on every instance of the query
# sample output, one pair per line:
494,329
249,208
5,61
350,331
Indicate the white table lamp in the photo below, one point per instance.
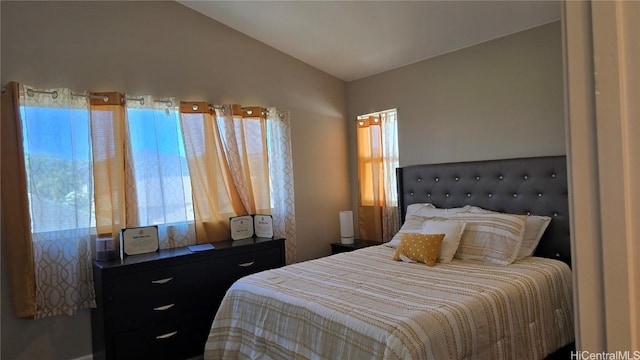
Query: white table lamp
346,227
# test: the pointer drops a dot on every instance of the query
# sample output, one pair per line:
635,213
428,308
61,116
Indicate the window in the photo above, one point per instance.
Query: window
95,163
58,163
377,152
160,171
58,157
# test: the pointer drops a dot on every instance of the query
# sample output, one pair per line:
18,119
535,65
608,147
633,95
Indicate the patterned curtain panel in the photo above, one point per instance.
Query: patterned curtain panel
281,175
57,145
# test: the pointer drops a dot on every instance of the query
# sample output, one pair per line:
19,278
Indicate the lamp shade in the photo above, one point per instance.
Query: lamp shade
346,227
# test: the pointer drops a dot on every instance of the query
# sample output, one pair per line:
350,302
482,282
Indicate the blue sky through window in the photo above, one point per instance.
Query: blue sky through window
58,163
54,130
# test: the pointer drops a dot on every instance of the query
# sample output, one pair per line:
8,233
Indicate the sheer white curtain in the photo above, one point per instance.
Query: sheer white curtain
389,132
159,181
58,163
281,175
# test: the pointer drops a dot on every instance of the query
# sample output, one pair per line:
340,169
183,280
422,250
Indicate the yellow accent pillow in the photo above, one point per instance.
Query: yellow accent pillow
423,248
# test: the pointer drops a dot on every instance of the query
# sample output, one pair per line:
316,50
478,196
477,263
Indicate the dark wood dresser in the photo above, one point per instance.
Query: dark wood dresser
161,305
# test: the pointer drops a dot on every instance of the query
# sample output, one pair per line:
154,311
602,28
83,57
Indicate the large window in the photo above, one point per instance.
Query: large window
58,155
377,151
90,164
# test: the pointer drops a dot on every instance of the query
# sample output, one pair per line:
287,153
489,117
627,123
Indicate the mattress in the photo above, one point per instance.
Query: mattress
364,305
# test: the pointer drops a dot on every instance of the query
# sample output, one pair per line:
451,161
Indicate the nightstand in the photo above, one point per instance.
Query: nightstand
339,247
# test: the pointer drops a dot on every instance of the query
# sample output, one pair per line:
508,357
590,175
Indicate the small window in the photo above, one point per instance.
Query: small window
377,151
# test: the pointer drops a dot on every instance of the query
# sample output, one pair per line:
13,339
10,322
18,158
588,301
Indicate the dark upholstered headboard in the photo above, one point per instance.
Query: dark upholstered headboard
534,186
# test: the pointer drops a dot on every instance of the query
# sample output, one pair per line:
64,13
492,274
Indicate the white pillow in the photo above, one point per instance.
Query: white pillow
533,231
412,224
418,213
452,231
492,237
429,210
413,209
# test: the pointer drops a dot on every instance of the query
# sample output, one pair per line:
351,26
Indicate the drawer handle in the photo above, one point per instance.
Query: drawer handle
162,281
247,264
167,335
163,308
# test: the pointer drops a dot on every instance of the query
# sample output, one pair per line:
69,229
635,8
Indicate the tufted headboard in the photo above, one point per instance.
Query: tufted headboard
534,186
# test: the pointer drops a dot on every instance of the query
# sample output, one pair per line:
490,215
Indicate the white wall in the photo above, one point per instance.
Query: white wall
166,49
499,99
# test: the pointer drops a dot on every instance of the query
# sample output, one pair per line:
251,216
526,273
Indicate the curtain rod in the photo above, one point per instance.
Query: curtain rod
168,102
54,94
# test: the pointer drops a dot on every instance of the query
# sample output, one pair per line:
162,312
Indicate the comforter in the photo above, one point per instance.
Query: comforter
364,305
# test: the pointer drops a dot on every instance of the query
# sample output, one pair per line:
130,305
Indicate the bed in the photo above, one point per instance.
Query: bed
365,305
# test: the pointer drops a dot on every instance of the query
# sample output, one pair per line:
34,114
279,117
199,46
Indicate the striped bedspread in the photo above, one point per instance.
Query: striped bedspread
363,305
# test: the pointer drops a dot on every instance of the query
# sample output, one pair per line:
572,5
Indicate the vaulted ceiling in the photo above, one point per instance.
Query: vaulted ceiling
355,39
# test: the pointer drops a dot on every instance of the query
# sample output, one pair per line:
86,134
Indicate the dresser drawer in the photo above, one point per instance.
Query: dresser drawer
141,312
234,267
161,282
179,339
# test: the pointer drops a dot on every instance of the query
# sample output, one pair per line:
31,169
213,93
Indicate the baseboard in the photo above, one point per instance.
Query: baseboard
85,357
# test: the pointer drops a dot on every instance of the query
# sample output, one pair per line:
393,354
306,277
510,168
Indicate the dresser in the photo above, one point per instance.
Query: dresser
161,305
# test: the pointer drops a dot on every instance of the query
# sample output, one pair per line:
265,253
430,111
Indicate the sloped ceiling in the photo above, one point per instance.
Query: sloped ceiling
355,39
